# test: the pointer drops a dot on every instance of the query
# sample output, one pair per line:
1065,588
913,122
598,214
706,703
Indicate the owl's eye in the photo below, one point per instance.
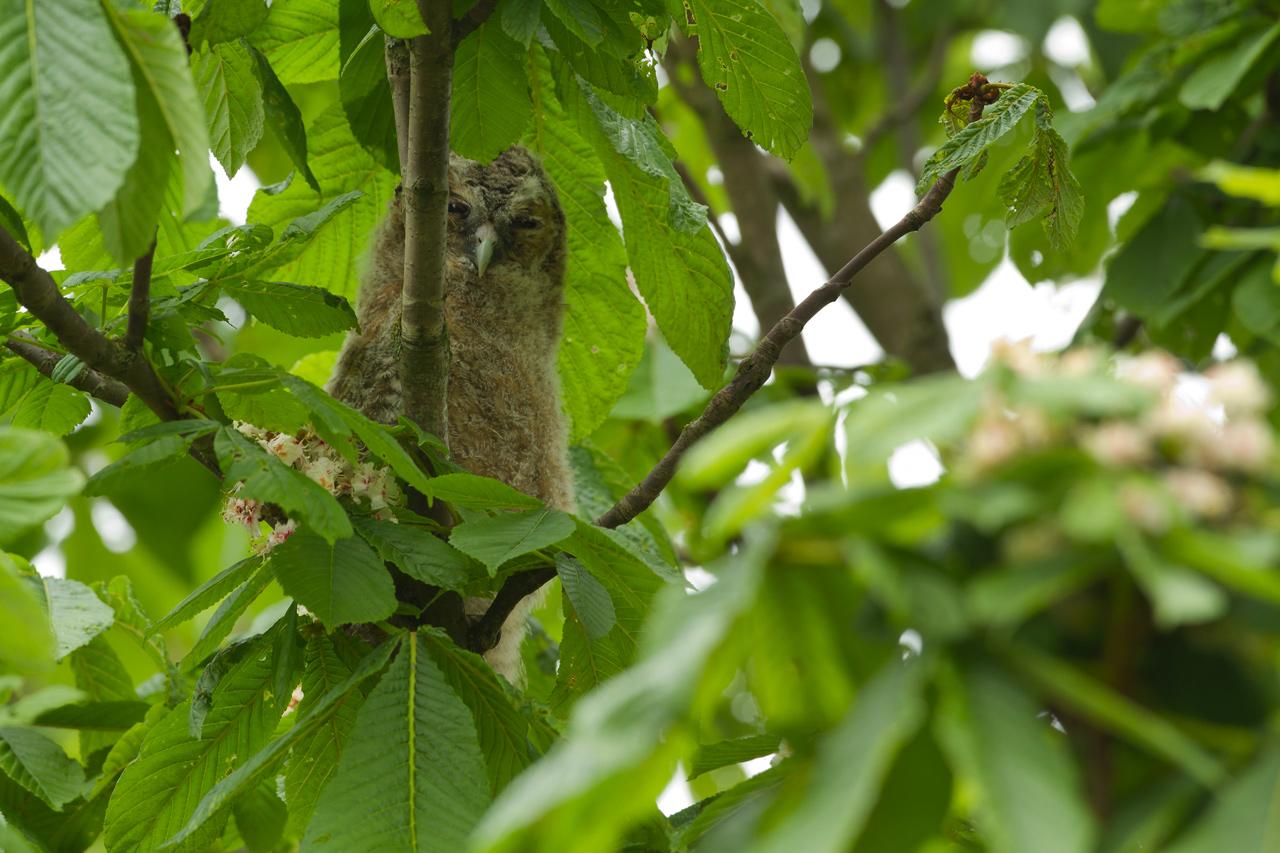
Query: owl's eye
524,222
459,208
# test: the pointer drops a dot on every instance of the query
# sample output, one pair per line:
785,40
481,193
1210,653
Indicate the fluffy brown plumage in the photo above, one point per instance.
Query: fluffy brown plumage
503,306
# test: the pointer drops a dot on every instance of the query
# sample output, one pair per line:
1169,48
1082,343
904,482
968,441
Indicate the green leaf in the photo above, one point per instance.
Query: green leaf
622,743
495,540
148,458
520,19
341,165
580,18
295,309
491,105
748,59
604,324
1094,700
260,818
99,672
939,409
27,643
914,799
501,729
209,593
300,38
420,554
716,460
1029,788
398,18
260,765
224,619
157,792
1213,82
227,76
282,114
366,99
75,612
852,763
160,60
591,601
1245,181
39,765
340,583
222,21
713,756
1177,594
51,407
1243,817
1041,185
314,756
60,164
476,492
679,268
267,479
1154,263
374,436
412,776
968,145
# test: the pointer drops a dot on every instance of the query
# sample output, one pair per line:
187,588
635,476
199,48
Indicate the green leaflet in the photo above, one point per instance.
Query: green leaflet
749,61
157,792
295,309
1041,185
60,165
604,324
412,777
36,479
969,144
226,76
340,165
341,582
497,539
679,268
300,38
366,99
490,106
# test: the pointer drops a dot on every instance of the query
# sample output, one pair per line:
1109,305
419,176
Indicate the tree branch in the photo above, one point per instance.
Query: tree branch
39,294
397,55
424,357
487,630
140,299
470,22
88,380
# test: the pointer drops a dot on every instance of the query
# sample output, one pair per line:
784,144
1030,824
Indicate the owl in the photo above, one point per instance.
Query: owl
504,289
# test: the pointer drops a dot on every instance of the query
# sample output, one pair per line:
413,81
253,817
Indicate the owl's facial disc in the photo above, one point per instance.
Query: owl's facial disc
486,242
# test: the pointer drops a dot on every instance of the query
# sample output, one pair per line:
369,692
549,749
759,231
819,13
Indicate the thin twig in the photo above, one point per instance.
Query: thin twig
140,299
424,358
751,375
88,380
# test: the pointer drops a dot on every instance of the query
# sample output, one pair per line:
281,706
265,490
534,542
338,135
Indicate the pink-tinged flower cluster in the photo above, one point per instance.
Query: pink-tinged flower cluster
1191,449
305,451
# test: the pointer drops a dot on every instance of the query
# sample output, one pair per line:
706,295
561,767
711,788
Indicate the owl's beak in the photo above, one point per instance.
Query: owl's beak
486,242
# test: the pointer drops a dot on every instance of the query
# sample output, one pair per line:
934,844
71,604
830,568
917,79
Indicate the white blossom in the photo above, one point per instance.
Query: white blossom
1154,369
1237,387
1204,494
1118,443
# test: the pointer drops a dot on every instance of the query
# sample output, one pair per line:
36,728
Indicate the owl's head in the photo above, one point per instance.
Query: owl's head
505,218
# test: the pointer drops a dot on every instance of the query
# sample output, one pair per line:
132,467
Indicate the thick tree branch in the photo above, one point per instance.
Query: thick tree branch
487,630
424,358
88,380
140,299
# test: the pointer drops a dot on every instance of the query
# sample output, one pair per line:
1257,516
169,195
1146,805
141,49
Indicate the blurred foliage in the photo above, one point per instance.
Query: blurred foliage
1066,643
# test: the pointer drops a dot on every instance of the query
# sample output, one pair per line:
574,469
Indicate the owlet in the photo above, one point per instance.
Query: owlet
503,305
